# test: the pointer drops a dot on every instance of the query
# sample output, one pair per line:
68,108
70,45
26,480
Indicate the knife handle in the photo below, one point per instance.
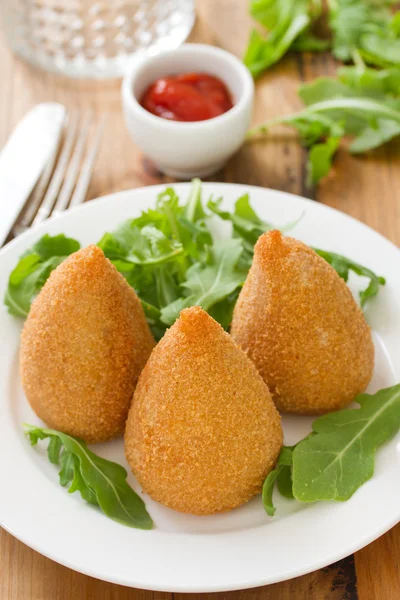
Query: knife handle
24,157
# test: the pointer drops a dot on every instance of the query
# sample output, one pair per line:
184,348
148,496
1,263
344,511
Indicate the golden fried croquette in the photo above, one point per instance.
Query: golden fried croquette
202,432
83,346
299,323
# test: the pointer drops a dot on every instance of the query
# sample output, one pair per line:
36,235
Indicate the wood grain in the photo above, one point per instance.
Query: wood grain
365,187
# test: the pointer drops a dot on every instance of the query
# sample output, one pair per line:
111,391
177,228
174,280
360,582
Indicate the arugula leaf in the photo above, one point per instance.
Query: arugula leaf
343,266
53,450
78,484
222,311
320,159
286,20
99,481
246,223
168,255
308,42
371,129
375,135
193,210
58,245
33,270
280,473
218,279
284,480
378,83
207,284
146,246
361,30
334,110
372,108
339,458
350,19
319,133
379,49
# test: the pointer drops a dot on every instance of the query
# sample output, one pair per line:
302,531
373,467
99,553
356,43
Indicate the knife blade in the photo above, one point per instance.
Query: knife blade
24,157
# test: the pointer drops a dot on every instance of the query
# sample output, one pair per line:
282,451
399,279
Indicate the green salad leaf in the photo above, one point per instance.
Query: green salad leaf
209,283
343,266
360,30
169,257
374,82
263,52
288,23
100,482
308,42
246,223
280,475
371,124
334,462
350,20
33,269
338,456
363,102
358,104
320,159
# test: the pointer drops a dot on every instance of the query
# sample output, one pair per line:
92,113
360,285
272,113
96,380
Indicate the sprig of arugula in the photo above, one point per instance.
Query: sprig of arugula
100,482
33,269
362,103
338,457
359,30
343,266
168,255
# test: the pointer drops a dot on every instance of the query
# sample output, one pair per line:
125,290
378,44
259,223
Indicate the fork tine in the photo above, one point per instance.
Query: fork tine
73,169
57,179
39,191
87,169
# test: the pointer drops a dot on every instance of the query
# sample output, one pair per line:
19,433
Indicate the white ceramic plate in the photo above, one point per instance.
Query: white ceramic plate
239,549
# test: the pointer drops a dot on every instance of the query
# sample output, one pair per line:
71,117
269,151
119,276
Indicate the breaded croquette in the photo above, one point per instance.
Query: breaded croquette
299,323
83,346
202,432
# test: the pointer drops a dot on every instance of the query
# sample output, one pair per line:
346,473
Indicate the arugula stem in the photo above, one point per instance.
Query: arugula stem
183,264
194,198
172,222
370,107
358,60
156,261
357,104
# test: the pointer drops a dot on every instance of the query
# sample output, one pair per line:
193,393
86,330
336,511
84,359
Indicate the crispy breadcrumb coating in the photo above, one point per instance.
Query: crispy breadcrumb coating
299,323
83,346
202,432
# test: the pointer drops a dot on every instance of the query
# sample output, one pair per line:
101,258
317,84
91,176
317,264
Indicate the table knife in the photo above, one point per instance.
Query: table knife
24,157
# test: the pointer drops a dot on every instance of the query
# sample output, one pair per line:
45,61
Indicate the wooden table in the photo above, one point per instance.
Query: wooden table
366,188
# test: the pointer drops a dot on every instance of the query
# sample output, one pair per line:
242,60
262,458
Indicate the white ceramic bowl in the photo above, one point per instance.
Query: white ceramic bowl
188,149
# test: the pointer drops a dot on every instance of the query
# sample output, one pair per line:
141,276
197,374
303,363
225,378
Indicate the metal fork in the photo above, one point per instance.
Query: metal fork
65,180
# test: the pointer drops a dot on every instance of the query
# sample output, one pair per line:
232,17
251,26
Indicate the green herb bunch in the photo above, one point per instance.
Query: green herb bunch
363,103
359,30
171,259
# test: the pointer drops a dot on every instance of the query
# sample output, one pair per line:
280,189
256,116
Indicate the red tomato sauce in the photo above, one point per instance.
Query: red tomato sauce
187,97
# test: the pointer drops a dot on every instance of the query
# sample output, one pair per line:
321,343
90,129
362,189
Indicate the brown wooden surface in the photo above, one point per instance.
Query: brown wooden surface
366,188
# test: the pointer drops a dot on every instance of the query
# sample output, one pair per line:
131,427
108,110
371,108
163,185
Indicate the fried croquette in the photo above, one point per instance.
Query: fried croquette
299,323
83,346
202,432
